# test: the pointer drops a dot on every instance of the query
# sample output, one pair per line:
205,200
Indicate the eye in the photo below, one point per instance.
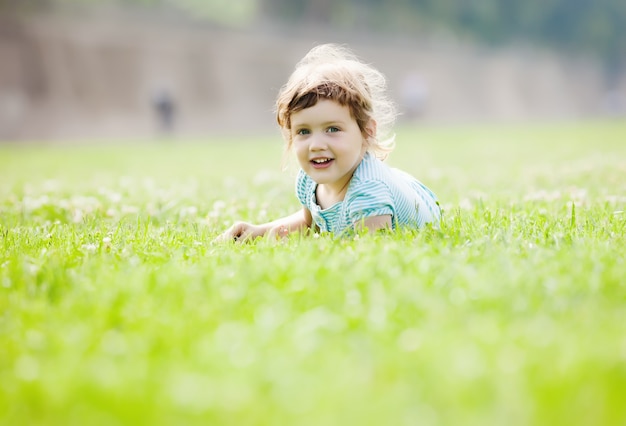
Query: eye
302,132
333,129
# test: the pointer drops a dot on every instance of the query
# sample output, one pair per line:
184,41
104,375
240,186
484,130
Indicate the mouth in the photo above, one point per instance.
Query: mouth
320,163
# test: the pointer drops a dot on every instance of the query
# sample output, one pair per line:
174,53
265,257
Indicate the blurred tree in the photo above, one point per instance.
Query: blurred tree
595,26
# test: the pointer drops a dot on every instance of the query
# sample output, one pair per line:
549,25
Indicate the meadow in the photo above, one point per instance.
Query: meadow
116,308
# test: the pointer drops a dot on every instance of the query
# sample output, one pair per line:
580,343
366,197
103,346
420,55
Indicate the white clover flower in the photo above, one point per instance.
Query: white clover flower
86,204
129,209
89,248
114,197
77,216
263,177
219,205
465,204
30,204
615,199
32,268
51,185
190,211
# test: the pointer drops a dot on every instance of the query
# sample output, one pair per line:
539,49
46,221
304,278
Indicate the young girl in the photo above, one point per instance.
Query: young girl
336,117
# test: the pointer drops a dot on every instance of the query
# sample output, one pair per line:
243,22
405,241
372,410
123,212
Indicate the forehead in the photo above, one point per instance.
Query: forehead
325,110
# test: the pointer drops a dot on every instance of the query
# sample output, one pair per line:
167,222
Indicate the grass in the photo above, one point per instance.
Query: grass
116,309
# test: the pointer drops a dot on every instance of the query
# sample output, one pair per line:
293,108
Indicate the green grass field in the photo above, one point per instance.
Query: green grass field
116,309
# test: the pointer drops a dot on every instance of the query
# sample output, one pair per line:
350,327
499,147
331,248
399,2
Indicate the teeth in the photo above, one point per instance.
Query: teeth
321,160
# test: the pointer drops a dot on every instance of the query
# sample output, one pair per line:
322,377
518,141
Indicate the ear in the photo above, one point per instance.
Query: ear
370,129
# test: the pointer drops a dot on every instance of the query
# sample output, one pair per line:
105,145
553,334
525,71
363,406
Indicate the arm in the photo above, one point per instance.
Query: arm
374,223
298,221
371,205
242,231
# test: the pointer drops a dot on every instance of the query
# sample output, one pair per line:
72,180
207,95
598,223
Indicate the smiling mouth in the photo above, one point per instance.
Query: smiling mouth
321,162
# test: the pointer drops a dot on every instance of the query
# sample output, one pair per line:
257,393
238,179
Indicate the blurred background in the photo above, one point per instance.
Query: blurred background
100,69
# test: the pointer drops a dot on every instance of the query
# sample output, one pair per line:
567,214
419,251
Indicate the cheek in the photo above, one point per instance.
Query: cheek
299,149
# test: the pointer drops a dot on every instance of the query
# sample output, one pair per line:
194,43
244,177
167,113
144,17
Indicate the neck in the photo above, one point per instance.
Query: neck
337,192
328,196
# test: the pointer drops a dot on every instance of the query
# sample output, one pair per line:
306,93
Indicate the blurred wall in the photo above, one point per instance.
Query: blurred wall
100,76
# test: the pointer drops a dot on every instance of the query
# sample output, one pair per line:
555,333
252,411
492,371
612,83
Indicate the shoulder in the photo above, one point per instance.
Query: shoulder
305,186
370,182
371,175
369,190
371,168
371,197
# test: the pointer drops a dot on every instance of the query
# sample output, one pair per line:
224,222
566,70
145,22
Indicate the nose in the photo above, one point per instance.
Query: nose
317,143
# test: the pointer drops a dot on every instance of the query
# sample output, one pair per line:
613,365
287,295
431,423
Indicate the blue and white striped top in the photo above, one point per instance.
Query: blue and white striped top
374,190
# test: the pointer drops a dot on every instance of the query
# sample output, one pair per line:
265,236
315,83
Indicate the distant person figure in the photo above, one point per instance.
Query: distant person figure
336,116
414,95
165,109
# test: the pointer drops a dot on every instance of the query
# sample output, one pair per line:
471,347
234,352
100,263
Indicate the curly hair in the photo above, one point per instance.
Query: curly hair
333,72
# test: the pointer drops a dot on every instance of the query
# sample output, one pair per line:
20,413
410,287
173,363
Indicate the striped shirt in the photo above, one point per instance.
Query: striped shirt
374,190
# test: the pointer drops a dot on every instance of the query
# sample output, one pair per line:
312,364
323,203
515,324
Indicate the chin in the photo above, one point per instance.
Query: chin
319,180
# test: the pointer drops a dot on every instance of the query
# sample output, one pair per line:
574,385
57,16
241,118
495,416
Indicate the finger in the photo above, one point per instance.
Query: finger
245,236
222,238
231,234
279,232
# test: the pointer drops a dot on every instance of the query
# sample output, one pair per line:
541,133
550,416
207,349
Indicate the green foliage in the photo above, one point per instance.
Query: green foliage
117,309
595,27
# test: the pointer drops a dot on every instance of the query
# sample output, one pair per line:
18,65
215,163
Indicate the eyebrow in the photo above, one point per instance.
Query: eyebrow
324,124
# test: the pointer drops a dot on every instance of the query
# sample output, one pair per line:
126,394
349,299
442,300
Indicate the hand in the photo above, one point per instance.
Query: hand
240,232
280,231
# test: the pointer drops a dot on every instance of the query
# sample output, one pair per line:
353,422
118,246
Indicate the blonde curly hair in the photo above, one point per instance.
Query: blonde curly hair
333,72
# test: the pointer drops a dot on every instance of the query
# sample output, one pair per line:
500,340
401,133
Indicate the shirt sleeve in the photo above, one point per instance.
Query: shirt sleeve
303,188
371,198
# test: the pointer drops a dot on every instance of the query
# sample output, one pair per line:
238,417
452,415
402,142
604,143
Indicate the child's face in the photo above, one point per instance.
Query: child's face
328,143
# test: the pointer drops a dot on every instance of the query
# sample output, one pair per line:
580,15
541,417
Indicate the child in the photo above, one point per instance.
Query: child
336,117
